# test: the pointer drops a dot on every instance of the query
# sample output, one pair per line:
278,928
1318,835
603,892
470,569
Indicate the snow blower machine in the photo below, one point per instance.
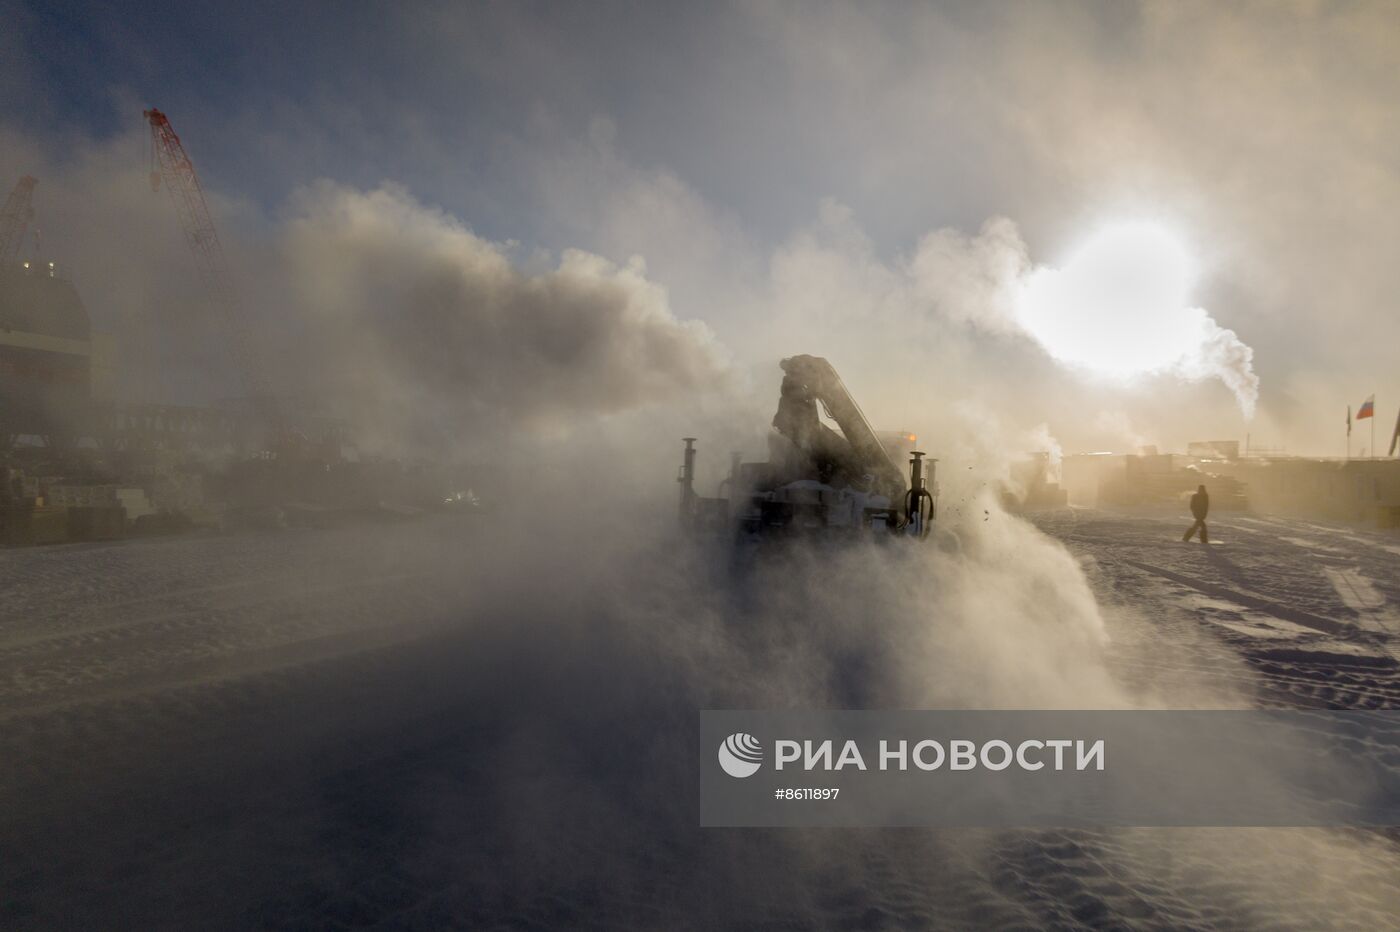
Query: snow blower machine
817,482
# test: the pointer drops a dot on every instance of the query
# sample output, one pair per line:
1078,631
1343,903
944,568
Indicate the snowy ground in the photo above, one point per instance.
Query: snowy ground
1313,610
388,727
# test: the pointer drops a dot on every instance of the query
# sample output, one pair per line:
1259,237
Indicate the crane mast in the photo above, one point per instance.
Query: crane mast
171,164
14,219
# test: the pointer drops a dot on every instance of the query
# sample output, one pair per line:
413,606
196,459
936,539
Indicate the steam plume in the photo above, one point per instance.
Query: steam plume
420,324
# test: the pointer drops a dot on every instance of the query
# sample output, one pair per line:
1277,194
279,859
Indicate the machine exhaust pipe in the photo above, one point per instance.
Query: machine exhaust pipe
687,481
918,501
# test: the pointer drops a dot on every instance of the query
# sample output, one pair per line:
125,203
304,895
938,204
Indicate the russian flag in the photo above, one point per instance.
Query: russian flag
1368,408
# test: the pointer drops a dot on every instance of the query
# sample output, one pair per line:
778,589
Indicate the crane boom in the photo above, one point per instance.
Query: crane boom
812,379
172,165
14,219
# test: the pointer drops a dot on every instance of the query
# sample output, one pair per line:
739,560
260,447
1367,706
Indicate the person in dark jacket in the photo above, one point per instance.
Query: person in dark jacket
1200,507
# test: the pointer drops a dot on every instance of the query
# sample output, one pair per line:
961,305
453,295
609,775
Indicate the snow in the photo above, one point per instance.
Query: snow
452,723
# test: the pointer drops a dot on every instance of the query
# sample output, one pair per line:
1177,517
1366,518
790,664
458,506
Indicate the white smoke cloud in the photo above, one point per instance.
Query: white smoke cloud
972,279
1120,427
1224,355
421,328
919,334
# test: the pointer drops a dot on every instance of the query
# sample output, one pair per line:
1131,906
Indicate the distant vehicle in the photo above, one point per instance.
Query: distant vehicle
465,499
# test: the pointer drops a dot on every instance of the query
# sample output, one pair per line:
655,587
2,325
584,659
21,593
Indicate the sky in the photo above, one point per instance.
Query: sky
877,183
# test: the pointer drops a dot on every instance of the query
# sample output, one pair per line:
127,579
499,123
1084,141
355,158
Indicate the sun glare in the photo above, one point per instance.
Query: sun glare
1119,305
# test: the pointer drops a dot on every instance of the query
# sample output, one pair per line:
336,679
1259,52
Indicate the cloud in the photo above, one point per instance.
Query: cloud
424,329
1264,132
918,335
1119,307
972,279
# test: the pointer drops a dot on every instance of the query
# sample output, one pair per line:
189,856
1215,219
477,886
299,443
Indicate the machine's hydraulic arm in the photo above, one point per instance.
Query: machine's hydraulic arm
818,380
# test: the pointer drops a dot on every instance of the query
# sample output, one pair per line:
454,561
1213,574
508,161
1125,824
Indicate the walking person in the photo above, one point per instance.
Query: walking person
1200,507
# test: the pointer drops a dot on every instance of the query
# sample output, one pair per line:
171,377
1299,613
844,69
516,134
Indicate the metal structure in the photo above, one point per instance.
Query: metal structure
818,481
172,165
855,456
137,426
46,353
920,507
687,481
14,219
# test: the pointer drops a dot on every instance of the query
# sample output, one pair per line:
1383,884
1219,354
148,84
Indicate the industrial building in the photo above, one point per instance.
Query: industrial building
46,353
1354,491
77,464
1148,478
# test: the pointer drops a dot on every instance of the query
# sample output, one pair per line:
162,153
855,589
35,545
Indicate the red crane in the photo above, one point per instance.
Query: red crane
170,163
14,219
